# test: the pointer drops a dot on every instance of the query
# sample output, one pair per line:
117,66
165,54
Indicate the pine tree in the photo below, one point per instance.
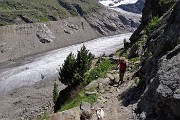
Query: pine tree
83,61
68,71
73,70
55,92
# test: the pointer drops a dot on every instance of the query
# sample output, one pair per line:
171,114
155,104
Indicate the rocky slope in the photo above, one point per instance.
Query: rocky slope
159,72
23,11
110,98
151,8
135,8
157,96
90,21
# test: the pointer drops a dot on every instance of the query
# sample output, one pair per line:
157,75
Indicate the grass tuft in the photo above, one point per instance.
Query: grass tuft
77,101
99,71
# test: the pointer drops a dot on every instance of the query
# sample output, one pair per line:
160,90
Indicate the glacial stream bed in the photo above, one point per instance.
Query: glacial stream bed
28,71
26,85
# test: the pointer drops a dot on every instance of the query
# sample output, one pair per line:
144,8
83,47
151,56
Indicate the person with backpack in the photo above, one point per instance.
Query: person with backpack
122,65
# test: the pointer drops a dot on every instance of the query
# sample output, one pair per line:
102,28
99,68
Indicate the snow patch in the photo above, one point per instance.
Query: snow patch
115,3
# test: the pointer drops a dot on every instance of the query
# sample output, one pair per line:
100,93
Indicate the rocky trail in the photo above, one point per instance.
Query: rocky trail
112,99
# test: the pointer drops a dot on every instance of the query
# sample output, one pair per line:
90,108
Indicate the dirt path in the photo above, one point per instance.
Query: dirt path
111,99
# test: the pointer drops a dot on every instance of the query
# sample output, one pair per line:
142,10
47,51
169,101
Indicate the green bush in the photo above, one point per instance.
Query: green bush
99,71
83,61
44,116
152,24
55,92
68,71
77,101
73,69
136,81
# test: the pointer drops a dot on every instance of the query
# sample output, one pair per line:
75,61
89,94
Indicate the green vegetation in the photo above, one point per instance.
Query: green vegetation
68,71
136,63
77,101
83,61
25,11
44,116
152,24
98,71
164,2
125,54
55,92
80,6
136,59
31,11
137,81
76,73
72,72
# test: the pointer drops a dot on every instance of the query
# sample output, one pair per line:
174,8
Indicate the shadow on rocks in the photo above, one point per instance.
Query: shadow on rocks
130,96
64,95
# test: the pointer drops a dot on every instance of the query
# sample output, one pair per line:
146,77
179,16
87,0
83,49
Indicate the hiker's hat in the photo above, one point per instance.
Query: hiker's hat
122,58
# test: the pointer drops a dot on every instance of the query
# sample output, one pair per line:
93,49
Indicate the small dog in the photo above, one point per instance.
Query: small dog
100,113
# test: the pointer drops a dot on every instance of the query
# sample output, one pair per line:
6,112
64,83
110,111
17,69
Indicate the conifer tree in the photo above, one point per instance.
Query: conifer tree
55,92
83,61
68,71
73,69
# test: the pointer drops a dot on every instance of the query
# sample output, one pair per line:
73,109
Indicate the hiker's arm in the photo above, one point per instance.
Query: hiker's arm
118,66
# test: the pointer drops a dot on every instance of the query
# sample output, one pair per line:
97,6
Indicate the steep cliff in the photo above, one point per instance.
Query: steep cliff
151,8
160,63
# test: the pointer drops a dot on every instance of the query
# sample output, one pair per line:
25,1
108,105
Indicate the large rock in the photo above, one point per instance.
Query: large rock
169,78
44,34
107,21
135,8
160,73
85,110
72,114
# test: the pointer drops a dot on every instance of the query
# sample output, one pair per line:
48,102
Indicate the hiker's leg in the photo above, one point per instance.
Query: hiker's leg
122,76
119,78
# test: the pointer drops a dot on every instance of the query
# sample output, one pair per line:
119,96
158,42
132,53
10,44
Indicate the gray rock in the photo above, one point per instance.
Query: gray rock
93,84
106,21
110,76
100,86
160,67
71,114
94,117
44,34
135,7
90,93
104,81
85,110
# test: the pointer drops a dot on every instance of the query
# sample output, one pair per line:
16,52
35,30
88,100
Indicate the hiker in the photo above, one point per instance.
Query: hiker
122,65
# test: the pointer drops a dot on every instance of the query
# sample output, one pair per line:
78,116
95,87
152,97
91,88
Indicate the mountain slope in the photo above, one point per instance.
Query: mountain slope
25,11
135,8
160,62
32,34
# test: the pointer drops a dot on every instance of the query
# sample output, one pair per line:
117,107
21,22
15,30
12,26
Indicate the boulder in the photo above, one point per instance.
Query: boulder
85,110
44,34
71,114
